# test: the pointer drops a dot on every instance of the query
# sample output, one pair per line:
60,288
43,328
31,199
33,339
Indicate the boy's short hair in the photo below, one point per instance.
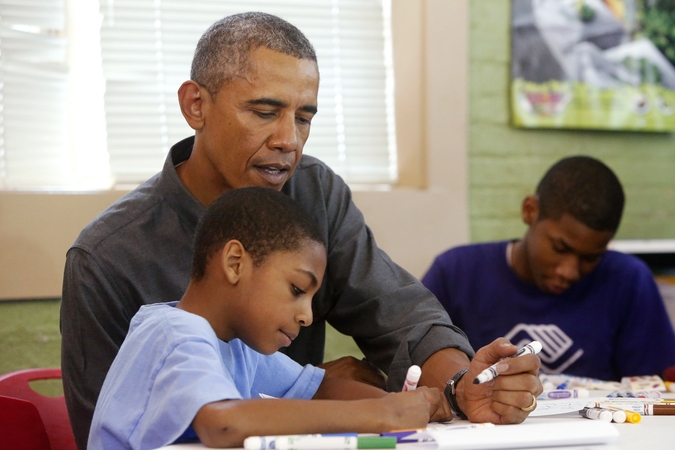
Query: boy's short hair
584,188
223,51
262,219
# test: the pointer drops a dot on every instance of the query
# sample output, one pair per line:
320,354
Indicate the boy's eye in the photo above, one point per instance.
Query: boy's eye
297,291
592,259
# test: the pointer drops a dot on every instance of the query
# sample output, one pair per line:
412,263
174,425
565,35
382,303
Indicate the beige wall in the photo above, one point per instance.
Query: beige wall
413,222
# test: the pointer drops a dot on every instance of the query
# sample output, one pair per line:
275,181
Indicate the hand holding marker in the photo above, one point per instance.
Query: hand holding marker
490,373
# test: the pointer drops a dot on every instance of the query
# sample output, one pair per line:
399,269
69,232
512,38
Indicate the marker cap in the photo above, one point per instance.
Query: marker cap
414,373
619,416
376,442
605,415
536,346
254,443
633,417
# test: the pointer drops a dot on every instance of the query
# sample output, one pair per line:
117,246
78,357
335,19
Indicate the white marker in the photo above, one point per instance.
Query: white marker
618,416
490,373
597,414
411,379
317,442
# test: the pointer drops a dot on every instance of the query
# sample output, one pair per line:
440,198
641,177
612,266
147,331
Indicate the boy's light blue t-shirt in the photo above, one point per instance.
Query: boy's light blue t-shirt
170,365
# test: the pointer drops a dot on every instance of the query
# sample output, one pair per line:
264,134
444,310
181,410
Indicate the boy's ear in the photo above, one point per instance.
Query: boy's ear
232,261
530,209
191,98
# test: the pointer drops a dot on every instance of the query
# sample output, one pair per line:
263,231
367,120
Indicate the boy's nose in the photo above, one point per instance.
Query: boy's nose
569,270
305,316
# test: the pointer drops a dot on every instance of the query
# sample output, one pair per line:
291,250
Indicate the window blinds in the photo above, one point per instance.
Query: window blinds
146,48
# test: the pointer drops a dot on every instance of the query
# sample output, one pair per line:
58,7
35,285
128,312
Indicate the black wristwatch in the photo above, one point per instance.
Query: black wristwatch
450,391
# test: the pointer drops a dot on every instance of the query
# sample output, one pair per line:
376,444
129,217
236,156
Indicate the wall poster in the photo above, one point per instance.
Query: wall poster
593,64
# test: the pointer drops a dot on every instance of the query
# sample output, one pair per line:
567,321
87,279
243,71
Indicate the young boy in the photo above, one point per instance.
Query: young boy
199,367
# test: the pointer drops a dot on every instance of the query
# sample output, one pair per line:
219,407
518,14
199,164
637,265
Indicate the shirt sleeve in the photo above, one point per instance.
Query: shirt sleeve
196,377
92,330
279,376
393,318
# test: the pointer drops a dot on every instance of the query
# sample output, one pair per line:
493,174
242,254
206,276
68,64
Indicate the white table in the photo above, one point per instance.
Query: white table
652,433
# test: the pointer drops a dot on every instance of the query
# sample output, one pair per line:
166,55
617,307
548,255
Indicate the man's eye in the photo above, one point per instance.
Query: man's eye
264,115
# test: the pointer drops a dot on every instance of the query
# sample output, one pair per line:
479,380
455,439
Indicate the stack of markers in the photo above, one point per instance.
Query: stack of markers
610,414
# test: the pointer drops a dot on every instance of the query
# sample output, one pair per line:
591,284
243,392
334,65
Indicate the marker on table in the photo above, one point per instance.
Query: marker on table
597,414
313,441
631,416
618,416
490,373
411,379
649,409
563,393
644,406
422,435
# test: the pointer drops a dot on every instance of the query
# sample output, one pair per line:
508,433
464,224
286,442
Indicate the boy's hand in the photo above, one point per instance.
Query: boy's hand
439,409
415,409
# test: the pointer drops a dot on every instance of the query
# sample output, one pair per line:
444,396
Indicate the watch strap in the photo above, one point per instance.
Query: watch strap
450,394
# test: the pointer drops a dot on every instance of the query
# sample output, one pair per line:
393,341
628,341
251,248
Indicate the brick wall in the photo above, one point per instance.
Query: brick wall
505,163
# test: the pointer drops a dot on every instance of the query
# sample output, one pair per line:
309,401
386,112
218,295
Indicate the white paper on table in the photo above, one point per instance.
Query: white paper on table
562,405
527,435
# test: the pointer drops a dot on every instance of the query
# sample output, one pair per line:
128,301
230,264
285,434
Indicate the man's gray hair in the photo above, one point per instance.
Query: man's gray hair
223,51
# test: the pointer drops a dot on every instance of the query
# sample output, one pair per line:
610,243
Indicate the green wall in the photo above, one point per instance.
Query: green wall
506,163
30,338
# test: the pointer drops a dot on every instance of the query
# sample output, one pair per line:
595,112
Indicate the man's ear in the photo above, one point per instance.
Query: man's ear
191,98
530,209
232,261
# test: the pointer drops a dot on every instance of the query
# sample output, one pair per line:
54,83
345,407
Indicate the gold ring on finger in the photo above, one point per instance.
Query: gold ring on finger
532,405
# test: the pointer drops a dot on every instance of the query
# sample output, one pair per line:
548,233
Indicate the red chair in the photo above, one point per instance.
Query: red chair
21,427
52,410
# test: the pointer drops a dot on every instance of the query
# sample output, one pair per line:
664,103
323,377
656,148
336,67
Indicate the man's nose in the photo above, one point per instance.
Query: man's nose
285,136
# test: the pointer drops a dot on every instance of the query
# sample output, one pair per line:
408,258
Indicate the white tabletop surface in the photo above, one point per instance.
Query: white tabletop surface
652,433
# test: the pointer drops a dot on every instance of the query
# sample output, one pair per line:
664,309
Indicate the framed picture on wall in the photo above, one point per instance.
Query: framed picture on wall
593,64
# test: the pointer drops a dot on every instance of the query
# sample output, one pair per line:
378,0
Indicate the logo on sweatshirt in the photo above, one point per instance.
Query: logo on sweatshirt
557,352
